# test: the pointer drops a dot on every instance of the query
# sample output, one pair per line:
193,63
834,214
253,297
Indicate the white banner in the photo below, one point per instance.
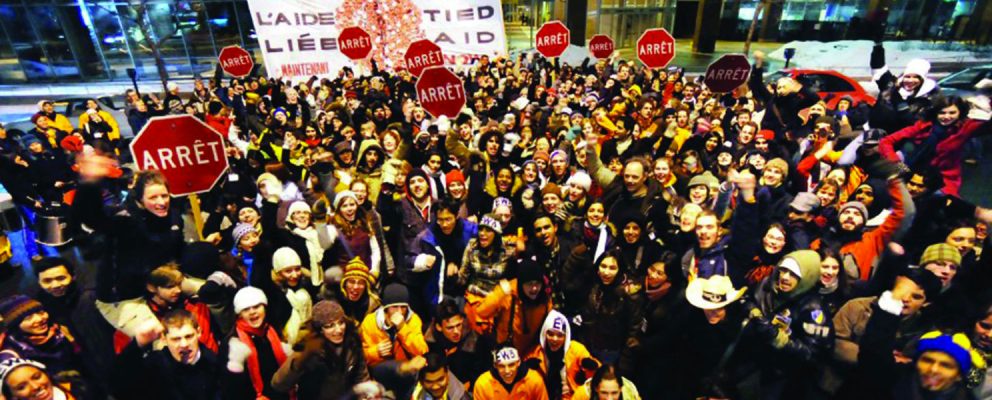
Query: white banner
298,38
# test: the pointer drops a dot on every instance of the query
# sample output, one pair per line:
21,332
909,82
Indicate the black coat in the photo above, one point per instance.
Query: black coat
153,374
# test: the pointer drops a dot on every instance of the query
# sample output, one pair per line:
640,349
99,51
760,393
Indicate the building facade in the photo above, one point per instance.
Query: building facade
94,40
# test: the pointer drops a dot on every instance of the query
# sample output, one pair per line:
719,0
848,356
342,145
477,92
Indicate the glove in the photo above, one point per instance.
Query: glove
237,353
780,340
577,320
222,279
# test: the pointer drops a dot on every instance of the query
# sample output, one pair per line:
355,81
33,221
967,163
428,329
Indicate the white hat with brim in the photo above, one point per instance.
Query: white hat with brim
712,293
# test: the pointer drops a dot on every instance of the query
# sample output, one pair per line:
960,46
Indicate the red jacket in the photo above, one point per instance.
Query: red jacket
947,155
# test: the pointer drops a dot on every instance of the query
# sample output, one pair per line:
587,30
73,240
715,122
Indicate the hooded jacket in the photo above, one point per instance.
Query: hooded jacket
800,310
572,352
526,385
373,175
514,321
947,154
897,108
408,341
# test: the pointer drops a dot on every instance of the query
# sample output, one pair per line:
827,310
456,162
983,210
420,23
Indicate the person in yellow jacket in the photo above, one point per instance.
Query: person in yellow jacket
607,384
509,379
92,104
393,341
58,121
564,363
518,306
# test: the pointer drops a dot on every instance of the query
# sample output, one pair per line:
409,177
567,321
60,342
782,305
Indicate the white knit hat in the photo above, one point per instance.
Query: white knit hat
917,66
580,179
298,205
248,297
343,195
284,258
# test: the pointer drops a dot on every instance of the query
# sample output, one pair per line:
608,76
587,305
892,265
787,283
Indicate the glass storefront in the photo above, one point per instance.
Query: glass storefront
98,40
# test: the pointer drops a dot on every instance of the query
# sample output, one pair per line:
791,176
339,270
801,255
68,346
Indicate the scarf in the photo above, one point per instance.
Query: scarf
54,349
656,293
315,250
245,332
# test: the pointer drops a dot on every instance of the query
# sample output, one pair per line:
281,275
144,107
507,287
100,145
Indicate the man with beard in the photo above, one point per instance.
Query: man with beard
405,217
72,303
184,369
858,248
551,252
718,254
509,379
436,381
437,254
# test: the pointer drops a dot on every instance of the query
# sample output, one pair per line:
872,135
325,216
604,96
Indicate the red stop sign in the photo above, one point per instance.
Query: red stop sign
188,152
656,48
441,92
552,39
727,73
601,46
422,54
355,43
236,61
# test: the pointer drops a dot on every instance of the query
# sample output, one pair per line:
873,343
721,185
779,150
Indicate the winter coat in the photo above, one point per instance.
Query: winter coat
864,251
611,321
115,130
434,277
572,359
948,153
527,385
884,378
894,108
515,322
404,221
781,112
811,336
317,371
373,175
481,270
468,358
154,374
455,391
140,241
408,341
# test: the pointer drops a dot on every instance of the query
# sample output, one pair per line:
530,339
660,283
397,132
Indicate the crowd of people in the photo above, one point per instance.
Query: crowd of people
600,231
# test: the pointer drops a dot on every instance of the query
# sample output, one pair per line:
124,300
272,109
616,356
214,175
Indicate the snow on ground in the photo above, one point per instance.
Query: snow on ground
852,57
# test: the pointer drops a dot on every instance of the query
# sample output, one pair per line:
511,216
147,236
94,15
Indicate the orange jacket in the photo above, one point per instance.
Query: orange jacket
409,341
526,322
872,243
573,364
531,387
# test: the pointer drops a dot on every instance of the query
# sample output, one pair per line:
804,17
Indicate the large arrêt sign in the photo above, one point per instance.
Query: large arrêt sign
727,73
656,48
552,39
189,153
236,61
299,38
355,43
441,92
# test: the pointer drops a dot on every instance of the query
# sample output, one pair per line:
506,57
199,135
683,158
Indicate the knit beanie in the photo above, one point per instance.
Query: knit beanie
705,178
955,345
580,179
415,173
551,188
395,294
857,205
940,252
529,270
768,134
339,198
779,164
297,206
248,297
454,175
9,361
488,221
356,269
918,67
284,258
542,155
325,312
240,230
16,308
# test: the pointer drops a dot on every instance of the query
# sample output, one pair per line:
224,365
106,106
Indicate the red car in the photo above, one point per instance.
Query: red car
830,85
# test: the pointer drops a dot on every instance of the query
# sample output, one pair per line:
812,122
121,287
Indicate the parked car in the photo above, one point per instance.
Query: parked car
968,82
830,85
73,107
